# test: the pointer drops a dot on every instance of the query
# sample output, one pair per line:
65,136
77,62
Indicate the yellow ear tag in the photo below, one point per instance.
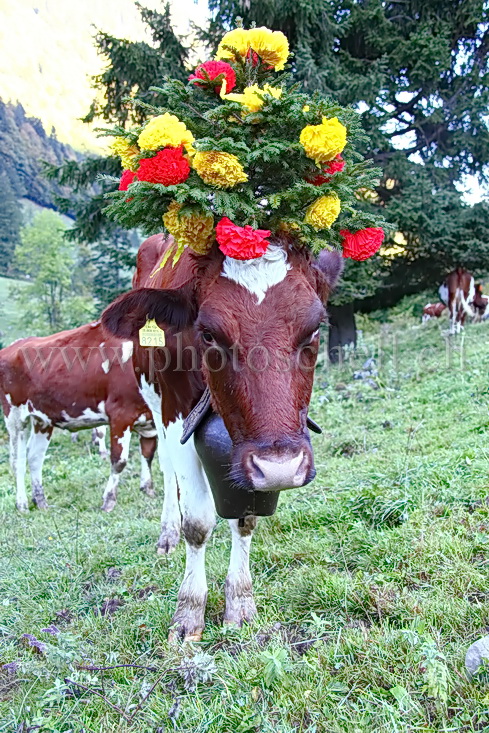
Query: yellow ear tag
151,334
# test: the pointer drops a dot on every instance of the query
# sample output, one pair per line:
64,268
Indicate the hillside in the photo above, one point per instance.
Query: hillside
371,583
24,145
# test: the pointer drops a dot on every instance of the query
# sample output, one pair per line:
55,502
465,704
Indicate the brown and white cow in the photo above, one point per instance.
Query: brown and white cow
250,331
433,310
480,304
72,380
458,292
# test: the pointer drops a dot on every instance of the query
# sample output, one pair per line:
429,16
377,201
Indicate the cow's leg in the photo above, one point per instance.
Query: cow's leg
98,439
147,447
36,453
17,425
171,519
240,604
198,520
120,438
452,309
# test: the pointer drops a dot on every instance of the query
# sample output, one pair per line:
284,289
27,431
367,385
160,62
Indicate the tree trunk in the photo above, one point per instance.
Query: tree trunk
342,330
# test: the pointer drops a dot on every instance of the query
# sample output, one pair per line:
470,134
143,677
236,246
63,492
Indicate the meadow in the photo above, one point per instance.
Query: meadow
371,583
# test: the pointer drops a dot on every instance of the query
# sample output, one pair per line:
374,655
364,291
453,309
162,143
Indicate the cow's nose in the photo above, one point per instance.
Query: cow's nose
273,473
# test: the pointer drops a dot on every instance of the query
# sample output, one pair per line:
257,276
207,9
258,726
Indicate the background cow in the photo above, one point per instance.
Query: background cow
432,310
250,331
480,304
458,292
72,380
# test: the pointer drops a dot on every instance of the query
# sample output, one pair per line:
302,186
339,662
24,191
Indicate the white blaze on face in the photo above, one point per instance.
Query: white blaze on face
258,275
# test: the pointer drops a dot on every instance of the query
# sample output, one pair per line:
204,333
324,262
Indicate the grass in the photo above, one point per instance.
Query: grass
370,584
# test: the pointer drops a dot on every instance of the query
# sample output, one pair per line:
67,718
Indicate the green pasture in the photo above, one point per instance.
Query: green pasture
370,584
10,327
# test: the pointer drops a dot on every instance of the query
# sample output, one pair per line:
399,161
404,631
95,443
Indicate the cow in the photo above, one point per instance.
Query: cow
72,380
249,330
480,304
458,292
432,310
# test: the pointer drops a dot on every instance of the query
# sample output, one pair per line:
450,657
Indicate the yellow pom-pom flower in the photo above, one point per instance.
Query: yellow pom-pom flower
271,46
252,97
325,141
323,211
238,39
165,130
192,230
219,169
127,153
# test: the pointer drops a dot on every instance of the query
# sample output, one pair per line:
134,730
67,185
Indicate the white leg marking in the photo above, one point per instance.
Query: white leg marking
171,519
98,439
240,605
146,482
36,453
17,424
110,493
198,520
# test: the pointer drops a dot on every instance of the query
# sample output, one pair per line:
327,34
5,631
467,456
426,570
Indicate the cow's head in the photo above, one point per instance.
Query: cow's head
256,325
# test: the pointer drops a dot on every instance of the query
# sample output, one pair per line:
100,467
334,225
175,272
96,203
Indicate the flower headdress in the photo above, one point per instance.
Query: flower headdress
239,154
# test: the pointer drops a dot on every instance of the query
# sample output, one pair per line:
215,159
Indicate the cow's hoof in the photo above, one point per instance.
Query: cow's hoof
179,634
188,621
239,610
22,507
109,504
41,503
147,489
168,541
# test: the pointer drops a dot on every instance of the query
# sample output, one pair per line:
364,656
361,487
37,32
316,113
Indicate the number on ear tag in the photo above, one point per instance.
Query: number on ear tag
151,334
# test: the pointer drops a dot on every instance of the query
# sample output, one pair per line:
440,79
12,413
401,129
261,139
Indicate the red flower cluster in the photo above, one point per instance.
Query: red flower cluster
127,178
168,167
362,244
333,166
241,243
213,69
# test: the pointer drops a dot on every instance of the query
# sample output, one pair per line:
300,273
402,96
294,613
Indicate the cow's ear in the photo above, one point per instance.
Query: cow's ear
174,309
329,266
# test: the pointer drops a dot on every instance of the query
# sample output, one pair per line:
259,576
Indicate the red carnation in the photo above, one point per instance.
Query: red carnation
333,166
168,167
362,244
241,243
213,69
127,178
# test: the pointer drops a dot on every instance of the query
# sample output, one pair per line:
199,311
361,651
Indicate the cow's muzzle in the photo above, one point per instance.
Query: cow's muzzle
274,467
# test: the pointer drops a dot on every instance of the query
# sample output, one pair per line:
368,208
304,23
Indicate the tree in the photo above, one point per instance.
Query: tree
419,73
56,296
10,222
131,69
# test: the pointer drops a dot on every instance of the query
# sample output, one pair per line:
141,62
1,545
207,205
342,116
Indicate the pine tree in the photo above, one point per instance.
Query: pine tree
10,222
131,69
419,74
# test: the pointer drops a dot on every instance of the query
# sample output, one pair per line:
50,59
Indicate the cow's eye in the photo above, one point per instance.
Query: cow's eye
207,337
313,336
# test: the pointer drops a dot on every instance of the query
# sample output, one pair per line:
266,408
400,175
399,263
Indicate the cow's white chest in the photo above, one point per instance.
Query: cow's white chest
260,274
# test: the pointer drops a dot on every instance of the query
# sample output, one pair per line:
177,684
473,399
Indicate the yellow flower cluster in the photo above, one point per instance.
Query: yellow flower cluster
323,211
127,153
325,141
252,97
194,230
165,130
219,169
271,46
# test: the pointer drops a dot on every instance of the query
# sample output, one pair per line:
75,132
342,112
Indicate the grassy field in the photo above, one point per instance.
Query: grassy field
370,584
10,328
